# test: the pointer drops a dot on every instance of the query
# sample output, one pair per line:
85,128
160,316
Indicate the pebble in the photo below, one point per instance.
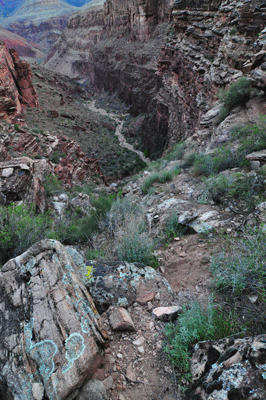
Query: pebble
139,341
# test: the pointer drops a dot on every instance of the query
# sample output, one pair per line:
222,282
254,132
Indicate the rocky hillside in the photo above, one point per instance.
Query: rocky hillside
39,21
165,60
24,49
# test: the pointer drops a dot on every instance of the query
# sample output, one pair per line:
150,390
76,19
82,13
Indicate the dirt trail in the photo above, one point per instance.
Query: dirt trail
118,131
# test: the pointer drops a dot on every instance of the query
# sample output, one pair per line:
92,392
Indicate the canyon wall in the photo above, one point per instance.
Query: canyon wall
17,91
165,59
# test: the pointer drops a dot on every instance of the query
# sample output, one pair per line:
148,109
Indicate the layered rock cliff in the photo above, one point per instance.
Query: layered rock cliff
17,90
166,60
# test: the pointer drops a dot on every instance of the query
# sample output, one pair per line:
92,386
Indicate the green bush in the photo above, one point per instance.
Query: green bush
74,227
53,185
161,177
56,156
196,323
173,228
237,94
134,245
242,267
245,189
177,152
21,227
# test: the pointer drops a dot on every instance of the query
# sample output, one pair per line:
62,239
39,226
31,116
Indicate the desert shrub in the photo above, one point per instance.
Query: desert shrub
134,244
173,228
53,185
56,156
196,323
21,227
74,227
238,93
189,160
245,189
126,226
242,267
161,177
177,152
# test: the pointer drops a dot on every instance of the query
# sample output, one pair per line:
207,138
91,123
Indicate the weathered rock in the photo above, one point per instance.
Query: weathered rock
120,320
131,374
22,178
167,313
50,328
16,89
82,202
93,390
229,369
121,283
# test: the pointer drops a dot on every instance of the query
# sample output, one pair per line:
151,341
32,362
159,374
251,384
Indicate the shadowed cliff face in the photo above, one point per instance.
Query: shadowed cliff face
166,60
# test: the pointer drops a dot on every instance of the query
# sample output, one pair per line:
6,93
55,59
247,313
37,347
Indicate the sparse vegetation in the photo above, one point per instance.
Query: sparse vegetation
53,185
246,190
237,94
160,177
242,266
21,227
173,229
196,323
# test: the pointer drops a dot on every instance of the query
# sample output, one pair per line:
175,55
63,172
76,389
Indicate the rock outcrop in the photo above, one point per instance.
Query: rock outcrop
17,90
22,179
229,369
51,333
170,73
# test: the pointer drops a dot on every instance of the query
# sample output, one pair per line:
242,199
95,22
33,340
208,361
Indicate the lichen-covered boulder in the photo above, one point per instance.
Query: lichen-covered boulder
229,369
122,283
50,331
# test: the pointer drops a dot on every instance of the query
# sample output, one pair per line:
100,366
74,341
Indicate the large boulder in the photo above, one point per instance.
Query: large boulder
50,329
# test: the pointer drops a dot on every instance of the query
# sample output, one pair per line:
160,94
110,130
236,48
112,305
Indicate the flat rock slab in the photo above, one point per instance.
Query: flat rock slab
167,313
120,320
50,328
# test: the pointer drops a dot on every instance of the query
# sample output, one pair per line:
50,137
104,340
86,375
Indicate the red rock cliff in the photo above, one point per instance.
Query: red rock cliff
17,90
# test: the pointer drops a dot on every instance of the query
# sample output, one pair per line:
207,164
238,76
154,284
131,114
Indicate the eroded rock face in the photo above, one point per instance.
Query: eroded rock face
16,90
22,178
50,329
229,369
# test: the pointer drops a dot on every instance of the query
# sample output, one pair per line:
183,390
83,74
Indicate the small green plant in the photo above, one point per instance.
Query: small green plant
196,323
242,267
177,152
16,127
161,177
237,94
21,227
53,185
173,228
233,31
245,189
135,245
56,156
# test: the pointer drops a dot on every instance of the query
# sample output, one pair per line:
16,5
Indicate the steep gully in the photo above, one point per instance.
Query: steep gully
119,128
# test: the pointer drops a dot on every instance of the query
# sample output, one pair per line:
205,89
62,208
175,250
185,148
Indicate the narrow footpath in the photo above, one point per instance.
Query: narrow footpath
119,128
